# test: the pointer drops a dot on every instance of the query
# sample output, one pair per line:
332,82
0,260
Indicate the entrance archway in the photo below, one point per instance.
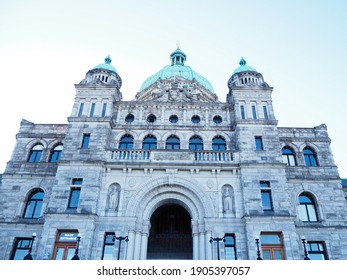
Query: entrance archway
170,234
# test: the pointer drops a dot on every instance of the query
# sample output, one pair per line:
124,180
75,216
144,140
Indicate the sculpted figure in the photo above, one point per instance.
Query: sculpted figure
227,200
113,198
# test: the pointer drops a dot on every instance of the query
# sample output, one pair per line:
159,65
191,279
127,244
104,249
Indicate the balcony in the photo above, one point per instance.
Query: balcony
171,156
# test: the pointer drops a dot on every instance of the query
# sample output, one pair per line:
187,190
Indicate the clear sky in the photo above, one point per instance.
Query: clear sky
300,47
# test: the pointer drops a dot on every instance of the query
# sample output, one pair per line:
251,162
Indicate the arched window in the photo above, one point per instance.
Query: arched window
126,142
196,143
33,206
56,154
288,156
218,144
35,153
310,157
307,208
172,143
149,143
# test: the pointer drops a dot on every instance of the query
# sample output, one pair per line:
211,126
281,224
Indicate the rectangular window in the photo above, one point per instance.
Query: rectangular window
258,143
80,111
266,198
266,116
104,107
254,112
65,245
85,140
230,247
75,193
21,248
74,198
272,246
92,109
108,249
316,250
243,114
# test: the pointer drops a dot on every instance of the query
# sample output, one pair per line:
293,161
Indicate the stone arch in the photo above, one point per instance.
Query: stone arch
166,189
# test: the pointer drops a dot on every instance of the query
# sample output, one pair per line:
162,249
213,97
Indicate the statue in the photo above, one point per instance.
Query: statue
227,200
113,198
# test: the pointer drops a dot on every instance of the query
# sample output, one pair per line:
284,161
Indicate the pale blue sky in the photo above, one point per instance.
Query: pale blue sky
299,47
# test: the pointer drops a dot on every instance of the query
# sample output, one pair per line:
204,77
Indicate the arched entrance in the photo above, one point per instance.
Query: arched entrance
170,235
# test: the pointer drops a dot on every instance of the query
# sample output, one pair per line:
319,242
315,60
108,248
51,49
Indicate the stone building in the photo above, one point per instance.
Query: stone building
173,174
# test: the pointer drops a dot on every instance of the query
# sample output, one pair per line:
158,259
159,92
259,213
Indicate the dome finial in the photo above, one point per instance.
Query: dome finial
108,60
178,44
242,61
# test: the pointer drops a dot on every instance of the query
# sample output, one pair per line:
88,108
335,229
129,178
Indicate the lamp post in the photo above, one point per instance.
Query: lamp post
76,257
303,239
120,239
258,250
217,239
29,256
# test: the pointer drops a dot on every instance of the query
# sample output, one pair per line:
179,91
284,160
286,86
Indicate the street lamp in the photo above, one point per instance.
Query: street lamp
76,257
303,239
29,256
120,239
217,239
258,250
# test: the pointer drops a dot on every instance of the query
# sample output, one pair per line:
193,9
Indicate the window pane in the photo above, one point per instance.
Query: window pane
312,213
74,198
302,213
258,143
266,255
108,252
59,254
270,239
266,200
230,253
70,253
85,140
277,254
291,160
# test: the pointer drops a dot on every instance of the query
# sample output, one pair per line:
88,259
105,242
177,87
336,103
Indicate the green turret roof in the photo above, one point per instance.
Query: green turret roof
244,67
107,65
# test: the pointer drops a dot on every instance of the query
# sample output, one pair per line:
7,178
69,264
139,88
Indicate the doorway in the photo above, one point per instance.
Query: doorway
171,234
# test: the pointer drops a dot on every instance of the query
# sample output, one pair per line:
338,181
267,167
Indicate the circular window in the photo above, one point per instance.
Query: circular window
217,119
151,118
129,118
195,119
173,119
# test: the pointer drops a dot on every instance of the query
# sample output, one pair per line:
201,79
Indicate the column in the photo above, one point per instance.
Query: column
195,246
130,245
208,245
137,245
144,243
202,246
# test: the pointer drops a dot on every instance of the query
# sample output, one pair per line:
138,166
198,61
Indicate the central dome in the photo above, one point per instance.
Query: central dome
177,68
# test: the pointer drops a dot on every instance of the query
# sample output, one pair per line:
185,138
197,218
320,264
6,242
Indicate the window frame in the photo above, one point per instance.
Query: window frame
217,146
38,202
85,141
230,246
35,153
107,244
308,214
20,250
312,252
173,145
198,146
272,247
265,189
259,145
125,143
151,145
288,158
56,154
310,157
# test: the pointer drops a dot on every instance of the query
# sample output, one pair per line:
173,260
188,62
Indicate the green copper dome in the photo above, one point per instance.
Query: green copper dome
244,67
177,68
107,65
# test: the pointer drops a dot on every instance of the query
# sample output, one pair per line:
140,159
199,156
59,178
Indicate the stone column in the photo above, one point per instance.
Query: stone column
130,244
202,246
195,246
137,246
144,244
208,245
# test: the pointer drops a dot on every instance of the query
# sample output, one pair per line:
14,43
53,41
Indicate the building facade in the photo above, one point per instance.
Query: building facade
173,174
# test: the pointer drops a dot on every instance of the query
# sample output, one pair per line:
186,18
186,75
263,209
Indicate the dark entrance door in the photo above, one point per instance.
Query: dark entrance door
171,234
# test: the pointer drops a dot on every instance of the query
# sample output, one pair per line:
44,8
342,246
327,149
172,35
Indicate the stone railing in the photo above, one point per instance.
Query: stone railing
170,155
